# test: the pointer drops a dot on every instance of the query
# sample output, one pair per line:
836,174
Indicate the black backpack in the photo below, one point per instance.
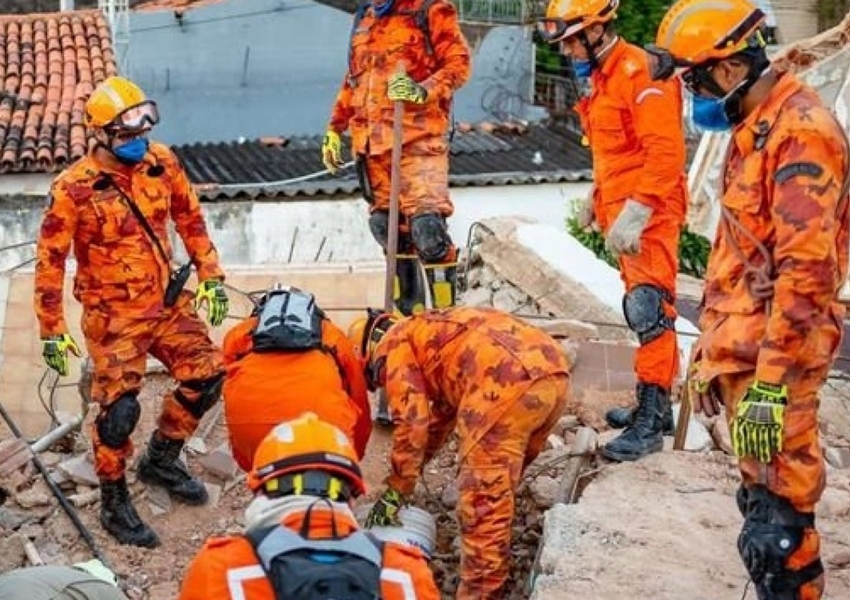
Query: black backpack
288,319
299,568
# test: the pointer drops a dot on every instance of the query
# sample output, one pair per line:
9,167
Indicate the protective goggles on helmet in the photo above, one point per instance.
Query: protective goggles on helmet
141,116
552,31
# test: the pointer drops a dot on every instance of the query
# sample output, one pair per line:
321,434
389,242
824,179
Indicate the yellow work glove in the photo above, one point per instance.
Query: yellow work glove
385,511
212,293
55,351
402,87
758,427
332,151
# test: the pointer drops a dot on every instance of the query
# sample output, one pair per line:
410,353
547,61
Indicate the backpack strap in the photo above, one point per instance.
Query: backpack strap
273,541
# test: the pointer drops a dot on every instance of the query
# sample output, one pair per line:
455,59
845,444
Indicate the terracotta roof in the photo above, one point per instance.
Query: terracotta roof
486,154
49,64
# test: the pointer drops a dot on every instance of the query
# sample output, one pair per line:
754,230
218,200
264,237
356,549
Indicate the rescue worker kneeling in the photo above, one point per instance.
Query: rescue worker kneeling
285,359
500,383
302,540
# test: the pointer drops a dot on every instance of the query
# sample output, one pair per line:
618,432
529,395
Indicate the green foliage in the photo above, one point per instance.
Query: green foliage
637,20
693,248
830,12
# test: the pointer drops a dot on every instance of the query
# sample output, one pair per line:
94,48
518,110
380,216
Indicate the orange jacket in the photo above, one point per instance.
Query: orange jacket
634,126
118,267
378,46
265,388
783,177
471,362
227,568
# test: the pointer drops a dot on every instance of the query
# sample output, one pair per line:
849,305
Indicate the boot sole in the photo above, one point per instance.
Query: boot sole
148,480
621,457
121,538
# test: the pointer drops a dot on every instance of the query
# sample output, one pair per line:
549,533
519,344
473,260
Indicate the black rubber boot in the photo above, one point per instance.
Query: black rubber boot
161,465
409,295
618,418
643,435
119,517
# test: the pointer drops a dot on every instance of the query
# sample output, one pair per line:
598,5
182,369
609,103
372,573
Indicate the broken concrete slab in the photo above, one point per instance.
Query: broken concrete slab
80,470
220,463
838,457
565,328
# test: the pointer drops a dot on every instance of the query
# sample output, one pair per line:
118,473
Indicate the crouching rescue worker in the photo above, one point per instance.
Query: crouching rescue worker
425,39
114,206
634,126
53,582
285,359
301,539
500,383
771,322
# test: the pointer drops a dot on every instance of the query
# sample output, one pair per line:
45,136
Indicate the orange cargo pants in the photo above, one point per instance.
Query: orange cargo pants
657,264
796,474
488,478
119,347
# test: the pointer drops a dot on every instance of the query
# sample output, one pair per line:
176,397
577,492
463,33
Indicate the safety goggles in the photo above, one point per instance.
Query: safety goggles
141,116
553,31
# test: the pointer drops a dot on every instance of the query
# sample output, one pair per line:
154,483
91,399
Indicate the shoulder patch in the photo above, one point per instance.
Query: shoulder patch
799,168
630,67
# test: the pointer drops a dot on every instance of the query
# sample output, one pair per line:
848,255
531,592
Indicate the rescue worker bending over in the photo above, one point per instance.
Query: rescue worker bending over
771,322
500,383
301,539
114,206
424,38
283,360
634,126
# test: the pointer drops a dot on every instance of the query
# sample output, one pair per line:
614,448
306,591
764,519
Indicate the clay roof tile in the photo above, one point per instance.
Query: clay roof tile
50,64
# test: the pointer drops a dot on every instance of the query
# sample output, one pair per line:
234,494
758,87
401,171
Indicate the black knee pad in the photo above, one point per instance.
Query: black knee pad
773,530
431,236
643,308
208,390
117,421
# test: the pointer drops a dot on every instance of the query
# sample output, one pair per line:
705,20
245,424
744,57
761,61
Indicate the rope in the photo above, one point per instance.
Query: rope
760,279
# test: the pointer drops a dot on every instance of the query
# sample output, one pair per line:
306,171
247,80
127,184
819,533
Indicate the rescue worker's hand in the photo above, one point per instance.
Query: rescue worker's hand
385,510
703,395
624,235
758,427
332,151
402,87
55,351
212,292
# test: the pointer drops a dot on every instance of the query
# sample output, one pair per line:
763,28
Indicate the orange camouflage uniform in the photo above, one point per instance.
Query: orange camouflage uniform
378,46
120,281
774,317
637,142
502,385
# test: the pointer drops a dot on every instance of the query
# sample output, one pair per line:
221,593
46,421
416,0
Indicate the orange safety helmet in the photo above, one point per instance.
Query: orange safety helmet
566,18
306,456
699,31
119,104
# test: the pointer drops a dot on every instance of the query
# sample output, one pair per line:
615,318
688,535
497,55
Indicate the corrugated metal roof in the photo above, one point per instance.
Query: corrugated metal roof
486,155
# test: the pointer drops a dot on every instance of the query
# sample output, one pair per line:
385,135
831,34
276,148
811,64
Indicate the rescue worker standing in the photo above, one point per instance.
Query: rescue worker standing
636,137
771,322
285,359
424,39
114,205
301,535
500,383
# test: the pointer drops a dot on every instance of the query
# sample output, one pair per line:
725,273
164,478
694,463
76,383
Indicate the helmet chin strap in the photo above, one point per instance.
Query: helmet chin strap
733,102
591,48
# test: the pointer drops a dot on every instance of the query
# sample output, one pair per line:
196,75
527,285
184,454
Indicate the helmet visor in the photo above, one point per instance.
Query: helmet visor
141,116
553,31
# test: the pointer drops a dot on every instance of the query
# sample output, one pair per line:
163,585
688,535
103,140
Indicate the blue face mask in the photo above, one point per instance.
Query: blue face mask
709,113
132,152
583,68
